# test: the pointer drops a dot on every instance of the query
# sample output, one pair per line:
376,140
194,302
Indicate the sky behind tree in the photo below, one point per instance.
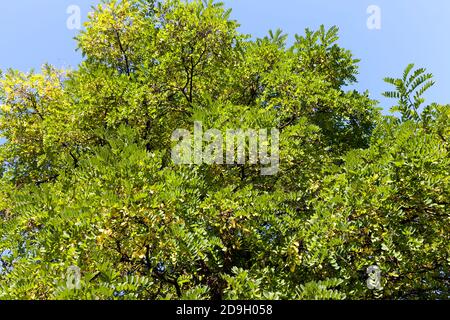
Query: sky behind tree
34,32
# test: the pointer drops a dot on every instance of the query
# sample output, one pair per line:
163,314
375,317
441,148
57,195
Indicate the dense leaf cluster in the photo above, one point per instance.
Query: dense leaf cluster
87,179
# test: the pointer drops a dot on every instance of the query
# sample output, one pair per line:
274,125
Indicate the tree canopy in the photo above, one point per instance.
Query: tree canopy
87,179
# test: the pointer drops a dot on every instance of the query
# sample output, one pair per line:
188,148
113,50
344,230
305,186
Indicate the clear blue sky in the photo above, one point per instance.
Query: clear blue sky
33,32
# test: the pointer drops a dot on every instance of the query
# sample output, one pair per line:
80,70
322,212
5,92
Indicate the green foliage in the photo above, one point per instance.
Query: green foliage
87,180
410,86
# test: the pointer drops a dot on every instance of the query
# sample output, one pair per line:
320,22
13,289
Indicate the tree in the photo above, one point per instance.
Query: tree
87,180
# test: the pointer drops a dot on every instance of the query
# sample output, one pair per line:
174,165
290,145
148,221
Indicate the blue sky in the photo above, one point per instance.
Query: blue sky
33,32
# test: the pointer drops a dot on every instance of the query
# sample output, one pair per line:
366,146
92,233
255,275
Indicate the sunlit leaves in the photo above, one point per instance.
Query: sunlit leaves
87,182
